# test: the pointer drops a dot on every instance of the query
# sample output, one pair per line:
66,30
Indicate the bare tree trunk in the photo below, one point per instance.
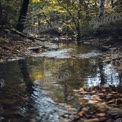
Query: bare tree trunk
22,17
78,27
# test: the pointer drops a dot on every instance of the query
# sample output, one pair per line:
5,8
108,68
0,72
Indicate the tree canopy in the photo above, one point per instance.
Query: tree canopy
65,16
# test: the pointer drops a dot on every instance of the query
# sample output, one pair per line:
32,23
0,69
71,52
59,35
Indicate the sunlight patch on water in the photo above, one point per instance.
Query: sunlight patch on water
68,53
63,53
94,53
110,75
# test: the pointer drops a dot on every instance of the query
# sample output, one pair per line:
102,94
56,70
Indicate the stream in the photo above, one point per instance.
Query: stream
41,88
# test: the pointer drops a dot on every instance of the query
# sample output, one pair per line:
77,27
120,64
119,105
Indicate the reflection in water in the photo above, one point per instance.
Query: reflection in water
34,87
26,77
13,94
101,72
47,109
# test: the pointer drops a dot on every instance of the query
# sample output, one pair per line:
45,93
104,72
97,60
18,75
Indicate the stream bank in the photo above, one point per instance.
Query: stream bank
13,45
16,47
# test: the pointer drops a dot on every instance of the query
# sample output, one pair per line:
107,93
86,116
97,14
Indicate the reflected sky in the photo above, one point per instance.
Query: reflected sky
110,74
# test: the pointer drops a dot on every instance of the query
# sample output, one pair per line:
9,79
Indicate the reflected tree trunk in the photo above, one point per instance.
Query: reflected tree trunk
120,78
102,76
26,77
65,92
29,88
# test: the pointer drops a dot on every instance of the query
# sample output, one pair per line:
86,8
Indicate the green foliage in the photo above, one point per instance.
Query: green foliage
68,16
9,11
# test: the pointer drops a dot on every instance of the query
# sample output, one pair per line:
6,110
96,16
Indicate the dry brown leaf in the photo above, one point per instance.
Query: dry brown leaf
92,102
91,120
111,101
81,113
92,92
103,107
83,92
96,97
85,109
100,114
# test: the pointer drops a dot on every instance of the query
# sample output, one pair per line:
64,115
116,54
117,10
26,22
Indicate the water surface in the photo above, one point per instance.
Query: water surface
40,88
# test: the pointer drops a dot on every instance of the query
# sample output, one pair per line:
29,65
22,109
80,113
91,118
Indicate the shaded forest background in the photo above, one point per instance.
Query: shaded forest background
63,18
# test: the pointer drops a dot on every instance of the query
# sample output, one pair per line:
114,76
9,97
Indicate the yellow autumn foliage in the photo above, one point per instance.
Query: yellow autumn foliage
35,1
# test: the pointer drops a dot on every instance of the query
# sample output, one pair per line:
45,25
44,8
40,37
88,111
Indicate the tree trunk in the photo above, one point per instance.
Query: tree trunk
78,35
78,27
22,17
